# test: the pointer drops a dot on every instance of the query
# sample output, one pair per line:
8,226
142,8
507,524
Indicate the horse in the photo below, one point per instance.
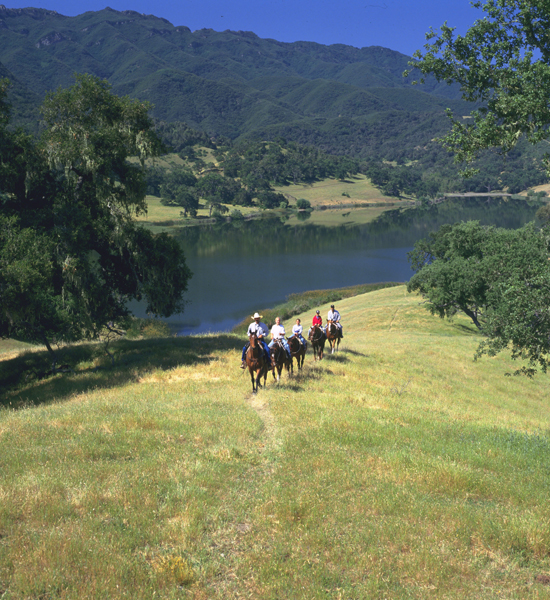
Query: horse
333,335
280,358
317,338
297,351
256,362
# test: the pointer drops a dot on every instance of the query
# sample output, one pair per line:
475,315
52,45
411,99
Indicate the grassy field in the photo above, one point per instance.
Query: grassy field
361,204
159,215
358,190
397,468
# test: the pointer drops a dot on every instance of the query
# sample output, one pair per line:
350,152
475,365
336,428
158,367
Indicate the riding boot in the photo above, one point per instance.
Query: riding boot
243,365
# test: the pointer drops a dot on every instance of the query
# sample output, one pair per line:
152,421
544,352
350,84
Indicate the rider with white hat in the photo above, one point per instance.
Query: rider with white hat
261,331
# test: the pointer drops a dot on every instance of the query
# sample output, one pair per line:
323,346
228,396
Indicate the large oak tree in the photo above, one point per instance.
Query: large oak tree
502,280
499,278
503,64
71,254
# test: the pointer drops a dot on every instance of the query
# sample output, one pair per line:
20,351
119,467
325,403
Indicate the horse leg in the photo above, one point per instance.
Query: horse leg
254,390
258,377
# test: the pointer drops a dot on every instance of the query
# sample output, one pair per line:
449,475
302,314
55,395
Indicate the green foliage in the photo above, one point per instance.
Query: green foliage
282,162
236,215
543,214
271,200
71,254
303,204
498,277
501,62
181,138
177,189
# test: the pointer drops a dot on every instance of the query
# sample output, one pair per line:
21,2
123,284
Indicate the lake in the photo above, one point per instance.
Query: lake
243,267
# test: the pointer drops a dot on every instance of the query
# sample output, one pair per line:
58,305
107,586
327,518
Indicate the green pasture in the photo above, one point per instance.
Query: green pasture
398,468
362,203
358,189
159,215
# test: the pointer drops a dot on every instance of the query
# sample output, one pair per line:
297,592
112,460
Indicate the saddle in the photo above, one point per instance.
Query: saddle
279,343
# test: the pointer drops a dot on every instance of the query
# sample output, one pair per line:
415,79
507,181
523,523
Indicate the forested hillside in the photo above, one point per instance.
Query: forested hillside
216,89
226,83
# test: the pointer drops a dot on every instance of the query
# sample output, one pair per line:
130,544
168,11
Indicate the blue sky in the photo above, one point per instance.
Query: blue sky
396,24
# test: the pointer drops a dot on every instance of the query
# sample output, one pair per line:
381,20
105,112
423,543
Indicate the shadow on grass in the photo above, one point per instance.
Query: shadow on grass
336,358
354,352
467,329
25,379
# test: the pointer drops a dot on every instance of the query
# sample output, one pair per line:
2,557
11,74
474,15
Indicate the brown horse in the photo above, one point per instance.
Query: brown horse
317,338
333,336
256,362
280,358
297,351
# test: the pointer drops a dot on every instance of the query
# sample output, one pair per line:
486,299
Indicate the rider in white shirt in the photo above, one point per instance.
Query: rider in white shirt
334,316
298,330
261,331
278,334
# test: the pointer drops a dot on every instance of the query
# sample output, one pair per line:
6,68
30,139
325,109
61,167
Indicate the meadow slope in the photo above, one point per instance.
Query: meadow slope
398,468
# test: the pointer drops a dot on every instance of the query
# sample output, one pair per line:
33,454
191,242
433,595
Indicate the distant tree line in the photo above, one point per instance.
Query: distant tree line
433,173
282,163
405,166
245,174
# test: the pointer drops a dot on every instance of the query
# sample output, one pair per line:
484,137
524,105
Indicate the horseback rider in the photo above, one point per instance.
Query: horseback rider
261,331
316,322
297,330
334,316
278,335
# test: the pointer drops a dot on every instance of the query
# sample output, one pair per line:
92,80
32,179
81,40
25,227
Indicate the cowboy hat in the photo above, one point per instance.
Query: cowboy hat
257,316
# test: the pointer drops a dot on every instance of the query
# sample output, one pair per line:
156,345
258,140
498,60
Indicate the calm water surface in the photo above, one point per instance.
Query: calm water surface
246,267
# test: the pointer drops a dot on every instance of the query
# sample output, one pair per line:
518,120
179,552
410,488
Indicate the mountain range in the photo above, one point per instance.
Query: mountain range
230,83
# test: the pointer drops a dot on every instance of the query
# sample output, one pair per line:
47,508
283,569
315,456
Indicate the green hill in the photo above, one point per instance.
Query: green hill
229,83
398,468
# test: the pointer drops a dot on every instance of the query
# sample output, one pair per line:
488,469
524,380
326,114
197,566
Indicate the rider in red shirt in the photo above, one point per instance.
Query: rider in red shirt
317,320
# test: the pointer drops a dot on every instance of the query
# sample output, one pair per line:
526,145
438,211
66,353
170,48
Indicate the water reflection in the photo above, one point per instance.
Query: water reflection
247,266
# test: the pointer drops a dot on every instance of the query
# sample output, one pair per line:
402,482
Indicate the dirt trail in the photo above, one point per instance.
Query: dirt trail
270,433
232,542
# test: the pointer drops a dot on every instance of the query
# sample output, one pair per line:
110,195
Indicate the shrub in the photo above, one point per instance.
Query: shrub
303,204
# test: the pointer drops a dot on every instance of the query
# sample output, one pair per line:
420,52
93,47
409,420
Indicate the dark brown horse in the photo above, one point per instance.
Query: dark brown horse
256,362
297,351
317,338
333,336
280,359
